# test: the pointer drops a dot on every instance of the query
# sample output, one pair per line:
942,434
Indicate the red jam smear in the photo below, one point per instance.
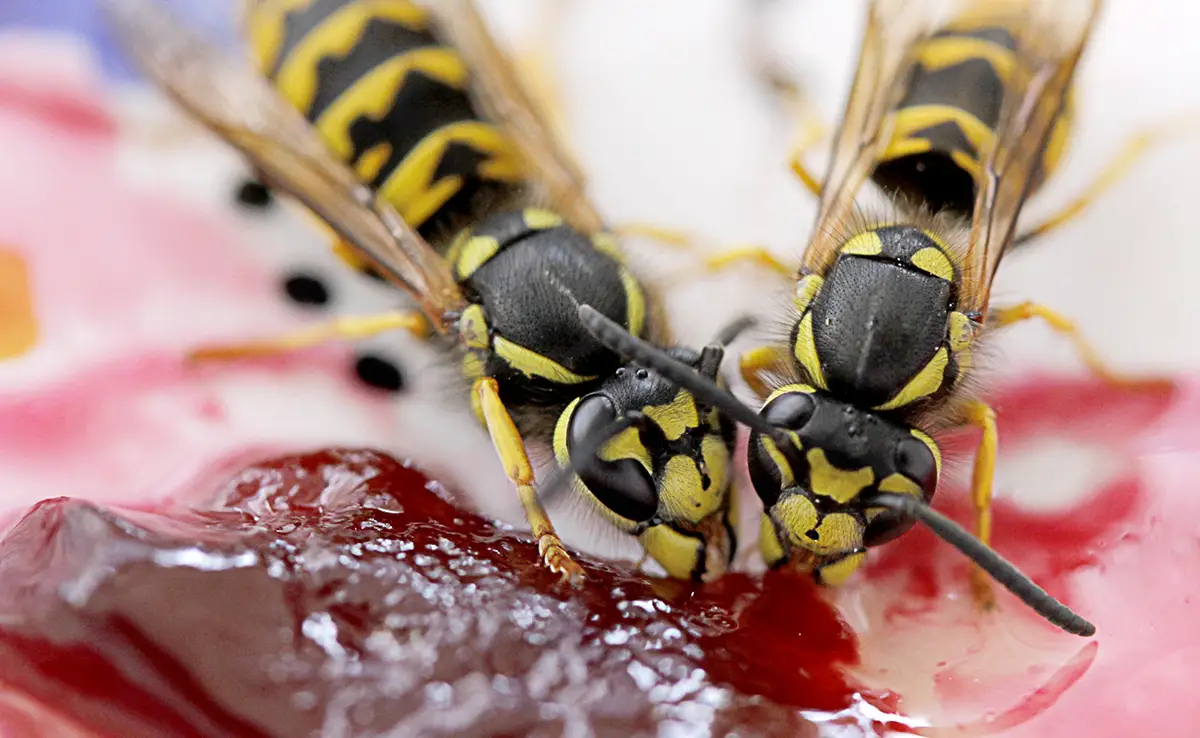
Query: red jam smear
338,592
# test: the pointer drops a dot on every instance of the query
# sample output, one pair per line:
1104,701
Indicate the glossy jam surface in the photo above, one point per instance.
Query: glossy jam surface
335,592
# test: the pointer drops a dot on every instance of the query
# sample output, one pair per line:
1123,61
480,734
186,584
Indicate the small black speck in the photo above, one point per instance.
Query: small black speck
306,289
813,535
254,195
379,373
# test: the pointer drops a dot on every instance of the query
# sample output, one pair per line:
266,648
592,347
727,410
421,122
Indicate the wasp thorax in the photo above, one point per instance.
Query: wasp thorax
813,483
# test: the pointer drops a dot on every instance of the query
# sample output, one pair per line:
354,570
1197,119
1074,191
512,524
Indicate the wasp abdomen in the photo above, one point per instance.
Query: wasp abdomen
946,120
392,101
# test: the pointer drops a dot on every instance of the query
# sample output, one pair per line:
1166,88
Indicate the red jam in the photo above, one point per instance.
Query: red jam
338,593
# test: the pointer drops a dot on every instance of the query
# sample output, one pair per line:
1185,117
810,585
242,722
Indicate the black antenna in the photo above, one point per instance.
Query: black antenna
993,563
585,453
705,390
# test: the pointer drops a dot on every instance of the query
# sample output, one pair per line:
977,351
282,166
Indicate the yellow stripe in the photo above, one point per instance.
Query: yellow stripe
374,93
264,29
933,447
787,477
805,351
675,417
840,485
628,445
635,303
942,53
933,261
866,243
473,254
335,37
910,121
533,364
806,290
789,388
408,187
927,381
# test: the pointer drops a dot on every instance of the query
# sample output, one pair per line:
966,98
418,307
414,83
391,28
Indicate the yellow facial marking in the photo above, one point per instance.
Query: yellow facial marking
836,574
806,290
627,445
682,496
680,555
473,327
836,532
533,364
789,388
927,381
635,303
768,543
827,480
932,260
676,417
932,446
900,484
962,331
805,350
866,243
474,253
560,432
787,477
539,219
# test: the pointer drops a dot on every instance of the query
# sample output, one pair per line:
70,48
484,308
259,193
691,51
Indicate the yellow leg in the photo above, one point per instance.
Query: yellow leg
512,453
1001,317
341,328
757,361
982,417
1116,169
710,262
812,130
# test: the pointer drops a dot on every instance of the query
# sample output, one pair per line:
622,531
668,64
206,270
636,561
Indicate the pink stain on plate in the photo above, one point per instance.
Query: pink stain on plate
123,280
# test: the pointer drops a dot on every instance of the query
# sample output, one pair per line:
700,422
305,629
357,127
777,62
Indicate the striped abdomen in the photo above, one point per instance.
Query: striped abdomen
945,123
390,100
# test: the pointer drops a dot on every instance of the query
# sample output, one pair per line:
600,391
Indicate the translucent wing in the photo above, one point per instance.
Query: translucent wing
893,27
232,100
498,90
1050,39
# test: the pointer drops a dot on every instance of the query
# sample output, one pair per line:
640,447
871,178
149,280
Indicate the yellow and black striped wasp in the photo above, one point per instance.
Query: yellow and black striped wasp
958,116
505,296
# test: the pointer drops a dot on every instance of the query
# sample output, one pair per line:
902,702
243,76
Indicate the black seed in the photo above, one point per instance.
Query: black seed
813,535
306,289
379,373
254,195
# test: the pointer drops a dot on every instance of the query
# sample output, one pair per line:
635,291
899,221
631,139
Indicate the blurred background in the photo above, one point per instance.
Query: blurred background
127,223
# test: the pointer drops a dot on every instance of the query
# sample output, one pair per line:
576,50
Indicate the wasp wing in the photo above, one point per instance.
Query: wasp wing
885,57
497,87
237,104
1050,37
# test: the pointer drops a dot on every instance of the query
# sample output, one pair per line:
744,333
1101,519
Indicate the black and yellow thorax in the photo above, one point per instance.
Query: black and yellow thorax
879,328
392,101
945,123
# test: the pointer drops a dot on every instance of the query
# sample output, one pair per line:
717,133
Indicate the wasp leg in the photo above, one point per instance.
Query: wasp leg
1117,168
710,262
340,328
812,130
1005,316
511,449
756,362
982,417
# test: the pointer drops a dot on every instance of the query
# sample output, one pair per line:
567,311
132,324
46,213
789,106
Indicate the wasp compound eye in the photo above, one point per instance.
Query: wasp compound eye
915,461
792,410
622,484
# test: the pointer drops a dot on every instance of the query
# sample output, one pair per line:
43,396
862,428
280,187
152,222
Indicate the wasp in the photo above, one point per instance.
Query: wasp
384,160
958,117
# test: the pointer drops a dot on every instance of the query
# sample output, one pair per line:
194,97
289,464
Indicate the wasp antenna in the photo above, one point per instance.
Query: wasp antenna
734,330
993,563
704,389
584,454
